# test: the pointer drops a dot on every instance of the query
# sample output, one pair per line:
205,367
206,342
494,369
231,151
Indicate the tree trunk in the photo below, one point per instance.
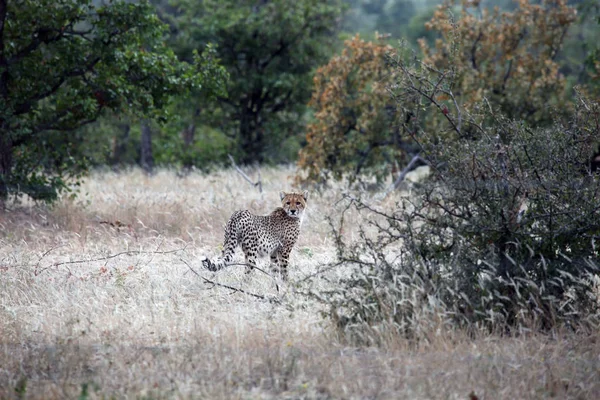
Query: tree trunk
188,134
188,140
6,159
119,146
146,159
251,139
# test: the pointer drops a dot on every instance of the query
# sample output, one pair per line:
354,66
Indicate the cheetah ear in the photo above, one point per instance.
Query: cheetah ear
305,195
282,195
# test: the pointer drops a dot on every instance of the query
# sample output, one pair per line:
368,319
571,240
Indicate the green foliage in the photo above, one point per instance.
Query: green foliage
209,148
396,17
416,28
269,50
585,40
63,63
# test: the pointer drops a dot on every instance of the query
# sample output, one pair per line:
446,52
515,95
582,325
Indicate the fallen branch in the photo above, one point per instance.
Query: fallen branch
259,269
130,252
258,296
257,184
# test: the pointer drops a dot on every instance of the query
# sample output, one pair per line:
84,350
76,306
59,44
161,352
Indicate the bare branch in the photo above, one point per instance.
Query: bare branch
258,296
406,170
130,252
257,184
474,50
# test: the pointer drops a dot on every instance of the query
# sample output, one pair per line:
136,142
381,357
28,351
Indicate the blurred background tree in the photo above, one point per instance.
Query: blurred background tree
354,129
506,57
62,65
270,49
523,57
514,60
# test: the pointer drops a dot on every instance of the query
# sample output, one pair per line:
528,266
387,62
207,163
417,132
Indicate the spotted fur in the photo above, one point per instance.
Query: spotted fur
261,235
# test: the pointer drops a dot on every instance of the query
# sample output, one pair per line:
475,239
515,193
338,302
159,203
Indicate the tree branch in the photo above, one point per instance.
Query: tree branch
39,36
257,184
474,49
26,105
407,169
37,272
258,296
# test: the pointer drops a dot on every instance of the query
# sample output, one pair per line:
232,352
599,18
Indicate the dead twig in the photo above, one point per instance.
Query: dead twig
234,289
319,272
130,252
257,184
405,172
259,269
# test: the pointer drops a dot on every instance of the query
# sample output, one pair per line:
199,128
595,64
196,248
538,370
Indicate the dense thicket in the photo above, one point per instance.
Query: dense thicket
504,234
502,237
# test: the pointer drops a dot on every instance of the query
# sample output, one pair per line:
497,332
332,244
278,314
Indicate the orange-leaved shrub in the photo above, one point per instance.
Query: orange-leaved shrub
507,58
353,129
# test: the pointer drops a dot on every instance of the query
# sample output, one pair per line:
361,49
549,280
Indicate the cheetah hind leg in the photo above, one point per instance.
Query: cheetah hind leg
250,257
229,245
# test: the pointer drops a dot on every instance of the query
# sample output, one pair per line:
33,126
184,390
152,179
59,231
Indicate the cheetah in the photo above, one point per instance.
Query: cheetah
261,235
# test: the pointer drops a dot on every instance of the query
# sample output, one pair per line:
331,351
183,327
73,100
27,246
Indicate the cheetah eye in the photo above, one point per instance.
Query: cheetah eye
297,203
288,203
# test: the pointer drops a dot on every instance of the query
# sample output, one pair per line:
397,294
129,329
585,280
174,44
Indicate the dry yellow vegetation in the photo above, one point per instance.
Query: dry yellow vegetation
139,323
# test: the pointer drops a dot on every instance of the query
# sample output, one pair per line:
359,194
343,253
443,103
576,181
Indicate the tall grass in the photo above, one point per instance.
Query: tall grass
144,324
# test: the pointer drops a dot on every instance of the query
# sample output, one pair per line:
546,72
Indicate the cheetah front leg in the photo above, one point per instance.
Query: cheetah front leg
275,263
283,256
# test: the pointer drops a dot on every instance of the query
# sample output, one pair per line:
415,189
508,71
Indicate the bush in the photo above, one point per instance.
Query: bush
503,237
353,130
507,60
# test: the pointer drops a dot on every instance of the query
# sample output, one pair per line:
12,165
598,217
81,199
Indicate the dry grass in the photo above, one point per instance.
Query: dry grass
142,325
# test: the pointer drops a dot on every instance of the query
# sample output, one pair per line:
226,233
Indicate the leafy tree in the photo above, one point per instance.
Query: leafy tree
63,63
590,19
353,127
416,28
508,58
396,17
270,49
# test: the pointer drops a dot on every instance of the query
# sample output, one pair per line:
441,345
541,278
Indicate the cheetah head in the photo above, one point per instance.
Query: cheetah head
294,203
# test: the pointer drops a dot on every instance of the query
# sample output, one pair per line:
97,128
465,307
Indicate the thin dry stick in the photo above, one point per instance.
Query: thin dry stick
108,258
48,252
319,272
257,184
406,170
258,296
259,269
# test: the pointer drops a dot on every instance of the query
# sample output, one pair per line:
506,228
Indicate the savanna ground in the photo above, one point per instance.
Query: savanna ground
141,322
